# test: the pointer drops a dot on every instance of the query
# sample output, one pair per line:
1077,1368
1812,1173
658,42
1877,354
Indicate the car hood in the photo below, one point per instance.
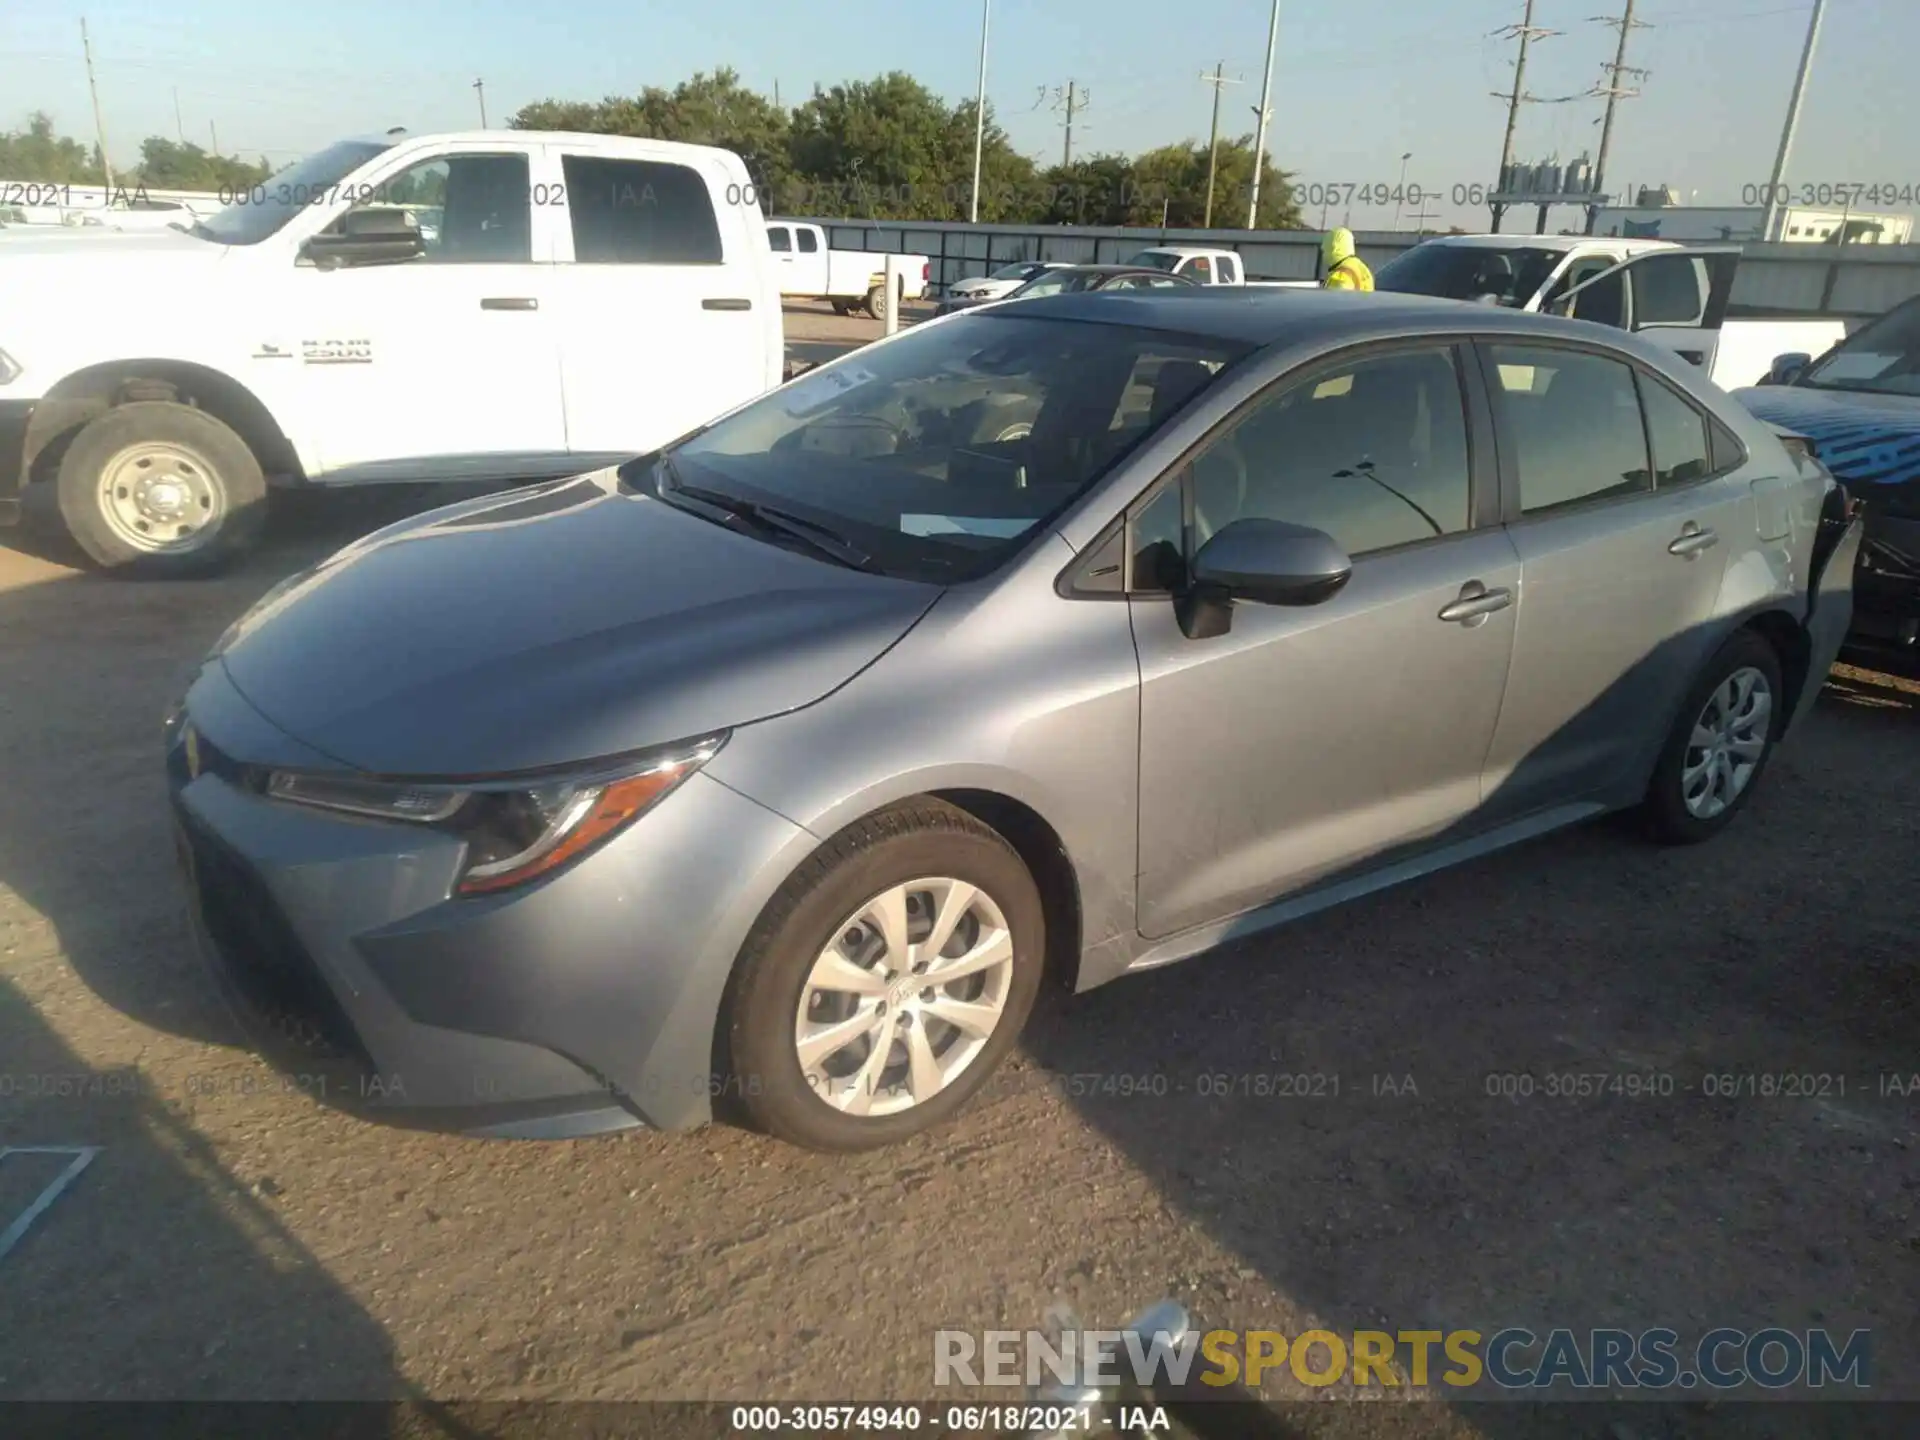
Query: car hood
98,242
551,625
1864,439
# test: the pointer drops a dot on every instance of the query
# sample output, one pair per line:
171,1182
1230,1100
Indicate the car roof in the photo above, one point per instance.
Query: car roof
1261,317
1545,242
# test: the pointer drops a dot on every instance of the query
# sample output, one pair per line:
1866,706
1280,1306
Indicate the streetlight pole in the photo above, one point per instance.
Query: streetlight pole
980,113
1400,191
1266,113
1793,121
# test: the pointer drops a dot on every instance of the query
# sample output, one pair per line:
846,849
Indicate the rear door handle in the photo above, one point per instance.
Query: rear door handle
727,303
1692,540
1475,604
510,302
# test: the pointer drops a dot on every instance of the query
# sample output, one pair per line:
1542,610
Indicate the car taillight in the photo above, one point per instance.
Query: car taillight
926,272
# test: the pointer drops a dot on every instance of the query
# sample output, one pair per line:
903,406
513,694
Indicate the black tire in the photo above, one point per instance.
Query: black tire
876,302
220,455
1664,811
924,837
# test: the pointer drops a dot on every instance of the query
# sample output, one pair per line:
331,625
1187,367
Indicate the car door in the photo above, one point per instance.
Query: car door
1622,554
664,321
1676,298
1308,743
1605,305
445,365
780,242
812,265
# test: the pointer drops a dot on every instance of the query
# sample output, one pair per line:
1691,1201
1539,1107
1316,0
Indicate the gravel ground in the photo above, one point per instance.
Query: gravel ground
236,1241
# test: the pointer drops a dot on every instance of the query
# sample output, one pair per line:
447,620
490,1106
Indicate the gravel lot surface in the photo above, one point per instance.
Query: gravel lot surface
235,1240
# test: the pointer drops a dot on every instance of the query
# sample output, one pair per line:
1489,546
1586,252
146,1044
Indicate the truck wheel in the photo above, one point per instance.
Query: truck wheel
157,489
877,301
842,307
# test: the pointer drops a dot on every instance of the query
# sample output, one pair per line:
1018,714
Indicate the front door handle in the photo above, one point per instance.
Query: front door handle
510,302
1475,604
1692,540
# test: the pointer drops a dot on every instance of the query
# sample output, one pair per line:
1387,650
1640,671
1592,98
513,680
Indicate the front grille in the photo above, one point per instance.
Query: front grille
263,957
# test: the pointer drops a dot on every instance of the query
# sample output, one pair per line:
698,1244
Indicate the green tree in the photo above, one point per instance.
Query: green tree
1177,174
893,150
175,165
37,154
711,109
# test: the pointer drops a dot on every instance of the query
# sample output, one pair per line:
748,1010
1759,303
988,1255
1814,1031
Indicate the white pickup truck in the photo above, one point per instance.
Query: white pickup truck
1206,266
851,279
1676,295
581,299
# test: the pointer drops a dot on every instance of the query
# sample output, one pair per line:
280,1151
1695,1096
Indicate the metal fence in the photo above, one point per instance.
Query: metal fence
1851,281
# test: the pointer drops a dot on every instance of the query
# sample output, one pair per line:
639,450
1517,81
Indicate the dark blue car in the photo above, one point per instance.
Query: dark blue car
1860,406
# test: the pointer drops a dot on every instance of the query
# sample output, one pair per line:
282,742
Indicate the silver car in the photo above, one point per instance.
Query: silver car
776,770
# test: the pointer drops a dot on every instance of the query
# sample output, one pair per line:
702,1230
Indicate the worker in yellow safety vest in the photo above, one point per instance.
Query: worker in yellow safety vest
1343,269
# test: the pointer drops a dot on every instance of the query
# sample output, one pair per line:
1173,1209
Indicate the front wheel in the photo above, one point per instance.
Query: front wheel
886,980
159,489
1719,745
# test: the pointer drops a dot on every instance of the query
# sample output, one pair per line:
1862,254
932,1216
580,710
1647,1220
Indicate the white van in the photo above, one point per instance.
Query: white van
579,299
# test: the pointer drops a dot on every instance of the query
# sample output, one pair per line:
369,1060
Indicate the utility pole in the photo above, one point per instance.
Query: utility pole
1076,100
213,133
178,127
1793,121
980,113
99,126
1525,31
1266,113
1219,83
1614,93
480,89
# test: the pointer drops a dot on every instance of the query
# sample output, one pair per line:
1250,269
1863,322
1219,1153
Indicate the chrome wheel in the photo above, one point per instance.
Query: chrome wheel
904,997
1729,738
161,497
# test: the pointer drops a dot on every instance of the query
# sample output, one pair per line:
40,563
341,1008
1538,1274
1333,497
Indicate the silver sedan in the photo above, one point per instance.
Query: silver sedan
778,769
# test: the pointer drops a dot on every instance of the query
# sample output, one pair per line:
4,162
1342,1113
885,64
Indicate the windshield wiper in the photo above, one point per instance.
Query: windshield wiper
771,519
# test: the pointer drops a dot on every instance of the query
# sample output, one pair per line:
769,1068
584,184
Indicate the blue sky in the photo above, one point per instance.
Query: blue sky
1355,85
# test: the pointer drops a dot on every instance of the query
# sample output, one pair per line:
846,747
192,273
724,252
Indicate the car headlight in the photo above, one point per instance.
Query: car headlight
515,829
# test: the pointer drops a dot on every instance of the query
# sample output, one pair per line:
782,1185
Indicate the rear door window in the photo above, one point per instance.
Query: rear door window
809,242
1574,422
640,212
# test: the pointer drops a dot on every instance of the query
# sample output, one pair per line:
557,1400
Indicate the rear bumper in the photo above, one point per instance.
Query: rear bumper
15,417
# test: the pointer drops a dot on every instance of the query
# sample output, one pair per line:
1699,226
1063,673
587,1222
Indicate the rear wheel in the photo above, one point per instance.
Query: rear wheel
876,304
160,489
1719,745
887,980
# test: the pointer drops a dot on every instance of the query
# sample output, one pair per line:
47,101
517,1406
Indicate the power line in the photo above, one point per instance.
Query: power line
1615,92
1073,100
1219,83
1525,32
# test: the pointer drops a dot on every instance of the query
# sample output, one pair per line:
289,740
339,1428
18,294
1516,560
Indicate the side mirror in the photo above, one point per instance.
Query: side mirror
370,235
1268,562
1786,368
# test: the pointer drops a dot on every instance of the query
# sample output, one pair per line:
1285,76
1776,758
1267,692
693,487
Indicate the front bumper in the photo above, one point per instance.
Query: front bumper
15,417
584,1003
1886,619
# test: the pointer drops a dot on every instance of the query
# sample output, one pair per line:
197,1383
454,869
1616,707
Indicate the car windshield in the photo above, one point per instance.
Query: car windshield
1156,259
1470,272
1058,282
263,210
1882,357
933,455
